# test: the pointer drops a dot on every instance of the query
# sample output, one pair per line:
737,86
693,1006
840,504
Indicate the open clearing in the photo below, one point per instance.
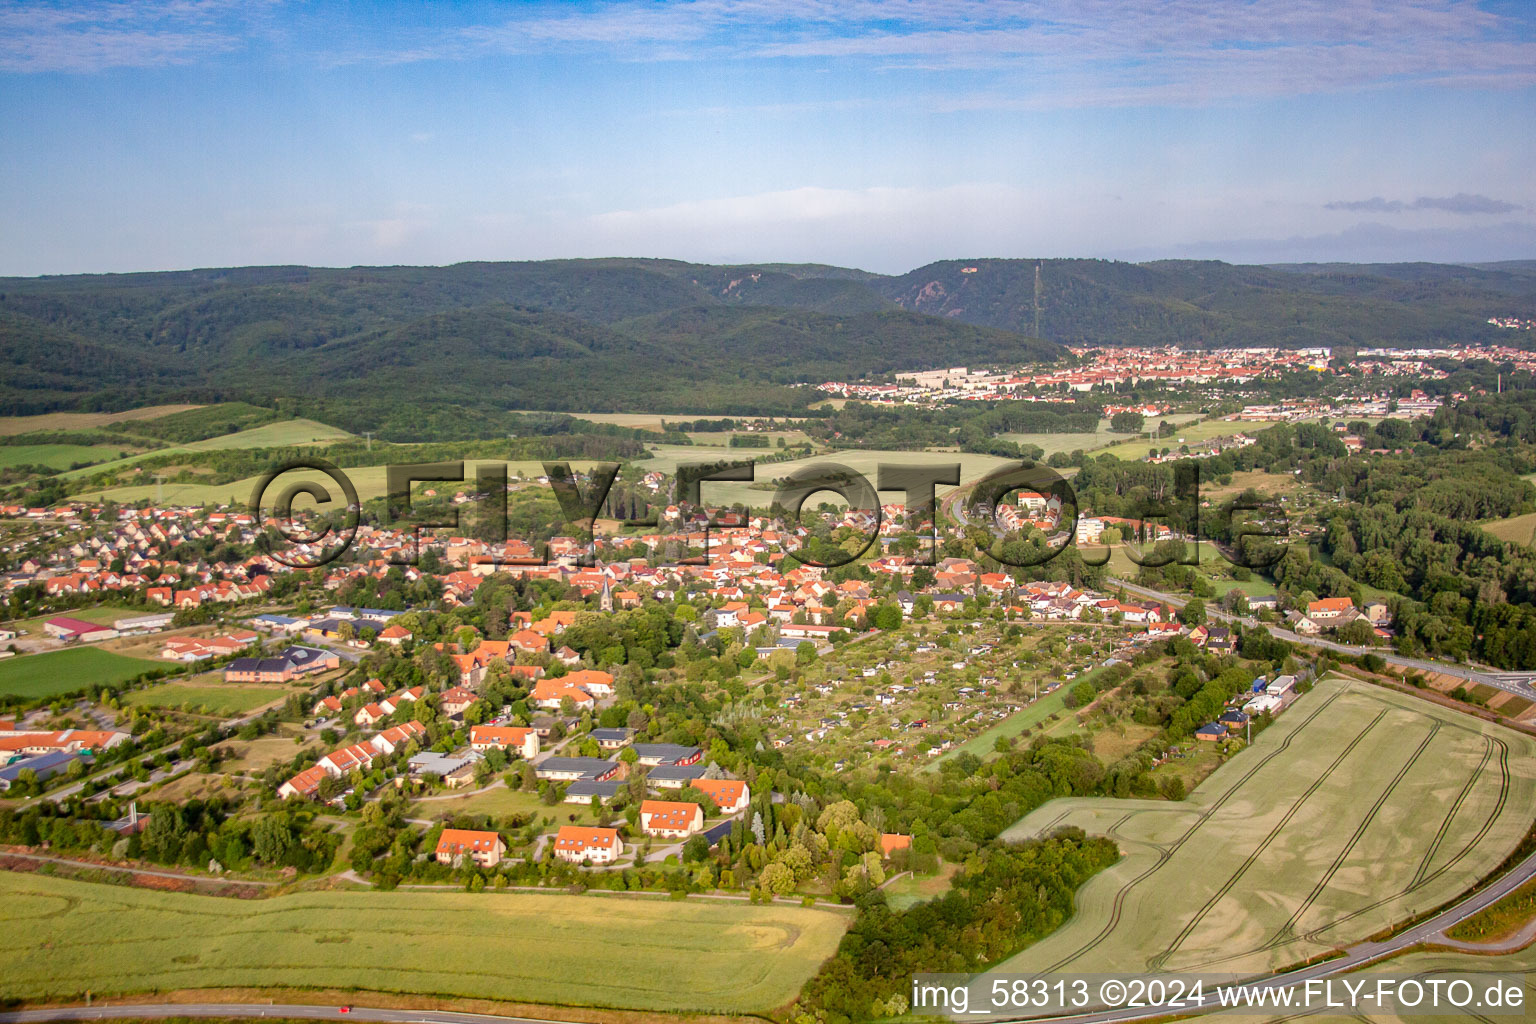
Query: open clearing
1187,433
217,699
1256,480
44,675
261,753
911,889
271,435
1359,808
55,456
985,744
530,947
85,420
1053,443
500,802
1516,529
653,420
275,435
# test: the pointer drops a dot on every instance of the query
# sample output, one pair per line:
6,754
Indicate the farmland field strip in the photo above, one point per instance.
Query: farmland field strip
237,950
1471,844
1120,895
1445,823
1156,962
1284,933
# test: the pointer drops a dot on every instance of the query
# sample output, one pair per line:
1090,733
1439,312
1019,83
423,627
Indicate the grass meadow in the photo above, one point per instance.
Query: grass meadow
270,435
650,954
55,456
1516,529
74,668
1186,433
985,744
221,699
500,802
275,435
1358,808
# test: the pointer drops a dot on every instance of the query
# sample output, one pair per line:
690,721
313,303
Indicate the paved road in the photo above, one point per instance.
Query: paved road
1521,684
1354,957
1517,683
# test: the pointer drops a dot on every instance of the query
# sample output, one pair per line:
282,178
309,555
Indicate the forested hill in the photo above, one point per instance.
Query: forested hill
358,344
666,336
1215,305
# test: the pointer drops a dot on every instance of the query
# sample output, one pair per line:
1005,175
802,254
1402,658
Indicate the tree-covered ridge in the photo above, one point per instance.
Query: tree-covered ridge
660,335
1213,304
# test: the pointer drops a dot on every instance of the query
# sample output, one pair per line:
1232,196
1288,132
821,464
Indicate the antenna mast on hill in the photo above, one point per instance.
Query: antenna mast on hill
1037,298
368,435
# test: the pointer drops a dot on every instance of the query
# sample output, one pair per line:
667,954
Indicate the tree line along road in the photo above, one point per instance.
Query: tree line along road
1517,683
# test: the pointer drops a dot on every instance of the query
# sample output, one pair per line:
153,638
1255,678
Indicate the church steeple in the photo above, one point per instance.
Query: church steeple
605,599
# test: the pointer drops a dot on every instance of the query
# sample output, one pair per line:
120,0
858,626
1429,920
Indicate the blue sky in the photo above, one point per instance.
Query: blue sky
164,134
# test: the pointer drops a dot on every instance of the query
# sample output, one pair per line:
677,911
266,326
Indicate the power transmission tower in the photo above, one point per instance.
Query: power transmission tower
369,435
1037,298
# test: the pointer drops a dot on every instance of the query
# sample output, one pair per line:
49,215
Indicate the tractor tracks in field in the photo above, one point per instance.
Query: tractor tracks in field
1118,906
1157,962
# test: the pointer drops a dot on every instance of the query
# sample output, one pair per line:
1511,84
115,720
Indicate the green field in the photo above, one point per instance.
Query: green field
1517,529
55,456
1359,808
216,699
46,675
1053,443
583,950
275,435
1031,716
500,802
648,420
270,435
1187,433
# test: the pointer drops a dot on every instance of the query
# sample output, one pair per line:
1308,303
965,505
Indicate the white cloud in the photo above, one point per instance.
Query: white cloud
89,37
1048,53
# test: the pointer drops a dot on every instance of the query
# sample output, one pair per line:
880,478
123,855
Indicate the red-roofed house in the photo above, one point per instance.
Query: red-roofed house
670,819
589,845
305,784
512,739
458,844
730,795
